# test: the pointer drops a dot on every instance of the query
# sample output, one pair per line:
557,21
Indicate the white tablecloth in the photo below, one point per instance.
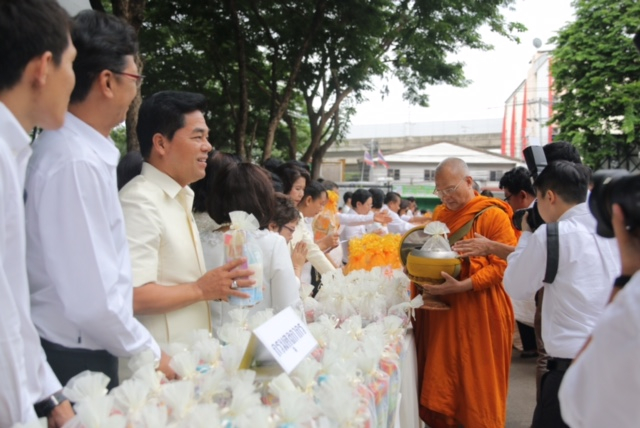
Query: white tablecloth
408,415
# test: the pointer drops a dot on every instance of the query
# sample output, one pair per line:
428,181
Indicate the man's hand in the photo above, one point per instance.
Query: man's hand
217,283
628,243
419,219
450,286
474,247
60,415
382,217
165,368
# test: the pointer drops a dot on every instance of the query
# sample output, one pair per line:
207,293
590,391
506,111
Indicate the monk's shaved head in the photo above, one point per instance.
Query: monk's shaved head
454,185
455,167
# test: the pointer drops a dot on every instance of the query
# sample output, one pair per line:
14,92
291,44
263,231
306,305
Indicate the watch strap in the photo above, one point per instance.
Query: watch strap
45,407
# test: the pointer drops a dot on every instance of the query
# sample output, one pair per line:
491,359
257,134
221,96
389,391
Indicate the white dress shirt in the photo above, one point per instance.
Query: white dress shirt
280,286
77,253
587,267
397,225
354,219
26,376
602,387
165,248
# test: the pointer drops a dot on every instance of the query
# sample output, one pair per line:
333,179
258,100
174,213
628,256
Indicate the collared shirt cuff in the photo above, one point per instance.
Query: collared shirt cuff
50,384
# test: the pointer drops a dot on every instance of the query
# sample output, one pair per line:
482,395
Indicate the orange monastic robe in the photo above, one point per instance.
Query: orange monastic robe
464,354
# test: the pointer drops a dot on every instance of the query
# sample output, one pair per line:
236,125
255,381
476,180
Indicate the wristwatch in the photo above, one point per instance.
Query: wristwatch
45,407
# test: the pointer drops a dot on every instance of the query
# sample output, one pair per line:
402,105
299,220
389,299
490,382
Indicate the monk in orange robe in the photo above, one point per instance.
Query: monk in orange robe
464,354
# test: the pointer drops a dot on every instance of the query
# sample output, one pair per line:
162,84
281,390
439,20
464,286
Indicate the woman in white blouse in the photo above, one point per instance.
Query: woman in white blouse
294,180
247,187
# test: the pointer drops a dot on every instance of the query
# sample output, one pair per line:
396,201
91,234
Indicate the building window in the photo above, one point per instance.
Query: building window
495,175
393,173
429,175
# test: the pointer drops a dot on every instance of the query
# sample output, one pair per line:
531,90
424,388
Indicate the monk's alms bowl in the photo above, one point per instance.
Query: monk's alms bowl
428,265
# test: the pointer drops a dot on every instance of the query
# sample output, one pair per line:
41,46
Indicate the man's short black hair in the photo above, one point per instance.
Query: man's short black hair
163,113
391,197
377,197
28,29
517,179
561,150
103,42
347,196
568,180
360,195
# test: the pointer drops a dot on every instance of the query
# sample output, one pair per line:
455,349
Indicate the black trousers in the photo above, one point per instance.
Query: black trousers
68,362
547,413
527,336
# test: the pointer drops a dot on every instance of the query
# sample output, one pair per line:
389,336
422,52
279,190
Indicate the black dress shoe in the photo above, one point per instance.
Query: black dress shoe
528,354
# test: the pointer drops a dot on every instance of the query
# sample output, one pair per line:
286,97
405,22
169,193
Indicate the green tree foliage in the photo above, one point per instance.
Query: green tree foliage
238,53
361,39
277,72
597,70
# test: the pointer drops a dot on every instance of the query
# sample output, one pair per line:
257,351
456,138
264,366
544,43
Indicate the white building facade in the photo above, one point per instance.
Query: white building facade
529,108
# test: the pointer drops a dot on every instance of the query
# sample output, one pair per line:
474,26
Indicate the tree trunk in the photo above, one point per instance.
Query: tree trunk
319,153
293,136
274,121
243,96
132,11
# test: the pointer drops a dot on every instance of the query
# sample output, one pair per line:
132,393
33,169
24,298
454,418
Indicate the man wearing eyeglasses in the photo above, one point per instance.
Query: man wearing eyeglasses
77,252
464,354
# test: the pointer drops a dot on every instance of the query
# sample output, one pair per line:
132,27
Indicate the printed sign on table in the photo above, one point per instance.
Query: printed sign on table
287,339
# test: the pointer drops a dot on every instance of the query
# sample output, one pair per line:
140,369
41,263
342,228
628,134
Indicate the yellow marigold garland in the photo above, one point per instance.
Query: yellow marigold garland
373,250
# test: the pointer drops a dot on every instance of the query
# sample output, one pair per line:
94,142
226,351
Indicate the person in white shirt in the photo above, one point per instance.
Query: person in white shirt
361,202
392,206
36,80
77,253
246,187
576,298
411,209
346,198
602,386
377,202
171,284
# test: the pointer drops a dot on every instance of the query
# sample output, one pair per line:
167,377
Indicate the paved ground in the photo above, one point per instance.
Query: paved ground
522,391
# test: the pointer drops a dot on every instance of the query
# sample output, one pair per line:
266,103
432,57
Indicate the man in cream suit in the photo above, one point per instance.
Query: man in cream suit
172,286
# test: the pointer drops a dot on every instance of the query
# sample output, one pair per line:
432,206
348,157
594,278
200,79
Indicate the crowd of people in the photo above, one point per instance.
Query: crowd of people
102,257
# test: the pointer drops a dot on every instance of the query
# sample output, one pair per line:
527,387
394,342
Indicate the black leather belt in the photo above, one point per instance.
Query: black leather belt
559,364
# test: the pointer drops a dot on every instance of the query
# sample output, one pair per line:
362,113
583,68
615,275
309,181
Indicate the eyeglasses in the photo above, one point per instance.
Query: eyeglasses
138,77
290,229
506,198
447,191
